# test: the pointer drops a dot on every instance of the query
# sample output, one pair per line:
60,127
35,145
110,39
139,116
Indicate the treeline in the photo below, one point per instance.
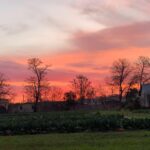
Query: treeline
125,79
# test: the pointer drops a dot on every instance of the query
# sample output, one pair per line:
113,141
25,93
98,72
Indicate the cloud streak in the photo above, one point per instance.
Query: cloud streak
134,35
118,12
14,30
75,36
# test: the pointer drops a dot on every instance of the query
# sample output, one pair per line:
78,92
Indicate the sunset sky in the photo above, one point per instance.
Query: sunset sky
73,36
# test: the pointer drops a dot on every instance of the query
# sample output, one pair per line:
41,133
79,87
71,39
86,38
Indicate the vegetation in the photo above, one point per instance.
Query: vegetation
120,72
137,140
141,72
123,78
5,89
36,83
70,99
68,122
83,88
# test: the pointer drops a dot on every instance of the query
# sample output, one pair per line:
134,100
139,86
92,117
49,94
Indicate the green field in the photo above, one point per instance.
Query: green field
90,121
137,140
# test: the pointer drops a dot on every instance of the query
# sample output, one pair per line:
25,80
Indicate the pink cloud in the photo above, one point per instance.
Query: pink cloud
134,35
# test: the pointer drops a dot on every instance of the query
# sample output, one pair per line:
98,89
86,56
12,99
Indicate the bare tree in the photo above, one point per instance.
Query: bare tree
53,93
120,72
142,72
30,89
101,91
36,82
111,87
91,93
81,86
5,89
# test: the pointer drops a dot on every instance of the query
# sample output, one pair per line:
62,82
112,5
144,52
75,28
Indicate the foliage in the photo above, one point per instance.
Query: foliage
70,98
132,99
66,122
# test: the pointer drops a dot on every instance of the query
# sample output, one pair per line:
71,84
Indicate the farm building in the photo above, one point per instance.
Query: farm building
145,97
4,103
20,108
42,107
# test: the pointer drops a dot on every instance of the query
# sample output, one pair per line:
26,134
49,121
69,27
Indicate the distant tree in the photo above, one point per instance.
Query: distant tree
91,93
81,86
53,93
31,90
70,98
36,83
142,72
111,87
132,100
120,72
5,89
101,90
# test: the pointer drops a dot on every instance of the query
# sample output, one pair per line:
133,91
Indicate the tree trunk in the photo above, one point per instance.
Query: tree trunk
140,90
35,105
120,97
120,94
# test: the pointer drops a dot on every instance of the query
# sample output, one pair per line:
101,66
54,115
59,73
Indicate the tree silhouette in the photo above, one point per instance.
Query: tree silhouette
53,93
70,98
142,72
5,89
36,83
82,87
91,93
120,72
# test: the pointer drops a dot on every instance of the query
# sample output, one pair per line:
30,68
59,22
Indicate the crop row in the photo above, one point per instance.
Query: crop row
46,123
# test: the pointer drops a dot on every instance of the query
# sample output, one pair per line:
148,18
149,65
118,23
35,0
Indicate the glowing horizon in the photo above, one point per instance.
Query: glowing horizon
74,36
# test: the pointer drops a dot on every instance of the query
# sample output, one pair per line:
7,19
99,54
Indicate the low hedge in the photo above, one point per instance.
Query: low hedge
60,123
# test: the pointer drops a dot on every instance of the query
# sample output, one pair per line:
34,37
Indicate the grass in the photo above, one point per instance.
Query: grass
136,140
128,140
